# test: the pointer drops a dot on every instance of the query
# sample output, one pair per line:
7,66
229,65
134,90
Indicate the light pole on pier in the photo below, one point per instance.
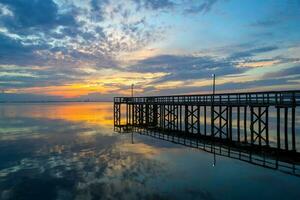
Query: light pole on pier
132,90
214,83
213,99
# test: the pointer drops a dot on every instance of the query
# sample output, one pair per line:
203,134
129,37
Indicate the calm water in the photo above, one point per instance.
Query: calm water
70,151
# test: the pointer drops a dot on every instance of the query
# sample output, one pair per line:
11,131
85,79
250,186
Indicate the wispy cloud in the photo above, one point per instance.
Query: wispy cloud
203,6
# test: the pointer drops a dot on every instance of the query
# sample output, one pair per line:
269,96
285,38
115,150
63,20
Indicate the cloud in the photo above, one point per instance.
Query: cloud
290,71
188,69
29,16
60,43
155,4
33,76
279,13
258,85
258,63
38,31
68,33
7,97
33,27
265,23
229,86
203,7
12,51
252,52
185,67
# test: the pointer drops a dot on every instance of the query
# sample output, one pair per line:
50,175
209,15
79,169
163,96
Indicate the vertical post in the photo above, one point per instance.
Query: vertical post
192,119
214,83
251,125
155,115
119,114
137,114
114,113
147,117
230,127
227,121
198,120
174,121
186,119
177,114
220,122
293,122
172,115
114,109
238,124
159,116
141,114
245,124
129,114
205,120
293,129
127,109
180,116
212,118
267,126
168,116
286,128
133,114
163,117
212,107
278,128
230,123
131,111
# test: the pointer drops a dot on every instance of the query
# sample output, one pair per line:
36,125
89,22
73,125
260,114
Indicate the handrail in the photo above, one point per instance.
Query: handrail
229,93
289,97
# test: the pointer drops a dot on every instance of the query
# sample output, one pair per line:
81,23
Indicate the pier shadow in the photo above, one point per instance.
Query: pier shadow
286,162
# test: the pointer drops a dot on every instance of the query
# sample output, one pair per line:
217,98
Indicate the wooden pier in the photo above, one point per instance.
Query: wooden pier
238,118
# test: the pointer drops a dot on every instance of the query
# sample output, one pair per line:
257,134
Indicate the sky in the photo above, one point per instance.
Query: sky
95,49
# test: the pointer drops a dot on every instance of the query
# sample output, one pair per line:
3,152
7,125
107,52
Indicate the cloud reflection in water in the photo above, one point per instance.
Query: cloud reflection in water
69,152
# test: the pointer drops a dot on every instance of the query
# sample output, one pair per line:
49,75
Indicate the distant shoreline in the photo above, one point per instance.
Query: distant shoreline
7,102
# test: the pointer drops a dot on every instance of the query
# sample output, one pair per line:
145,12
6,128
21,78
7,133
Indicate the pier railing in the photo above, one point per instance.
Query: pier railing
282,98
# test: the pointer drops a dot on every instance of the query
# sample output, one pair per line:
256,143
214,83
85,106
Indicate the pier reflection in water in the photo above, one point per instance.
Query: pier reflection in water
271,160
